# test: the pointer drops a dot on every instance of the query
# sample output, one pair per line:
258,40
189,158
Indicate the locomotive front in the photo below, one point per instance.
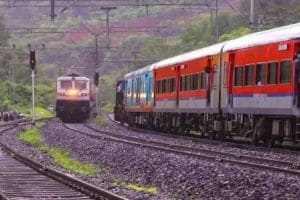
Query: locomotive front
73,98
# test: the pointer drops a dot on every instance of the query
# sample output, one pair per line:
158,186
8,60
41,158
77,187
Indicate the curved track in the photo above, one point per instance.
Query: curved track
249,161
23,178
229,143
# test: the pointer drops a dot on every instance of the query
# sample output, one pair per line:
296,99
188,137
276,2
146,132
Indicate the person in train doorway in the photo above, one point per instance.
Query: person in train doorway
297,76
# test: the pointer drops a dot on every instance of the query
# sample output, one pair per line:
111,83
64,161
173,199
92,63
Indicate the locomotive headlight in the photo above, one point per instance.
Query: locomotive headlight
72,92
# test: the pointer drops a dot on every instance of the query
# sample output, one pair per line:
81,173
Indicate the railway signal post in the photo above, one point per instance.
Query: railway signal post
96,81
32,63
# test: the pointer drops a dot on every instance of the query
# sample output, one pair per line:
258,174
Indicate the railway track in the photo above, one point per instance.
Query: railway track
229,142
23,178
219,156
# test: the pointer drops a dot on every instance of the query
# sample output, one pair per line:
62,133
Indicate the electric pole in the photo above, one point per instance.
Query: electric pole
32,63
96,51
96,78
107,10
252,19
52,12
217,21
134,53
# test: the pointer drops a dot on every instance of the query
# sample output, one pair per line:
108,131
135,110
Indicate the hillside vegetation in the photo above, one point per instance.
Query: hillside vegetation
169,31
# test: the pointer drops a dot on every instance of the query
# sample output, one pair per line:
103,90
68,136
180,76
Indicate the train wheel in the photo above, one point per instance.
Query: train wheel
212,135
271,142
255,139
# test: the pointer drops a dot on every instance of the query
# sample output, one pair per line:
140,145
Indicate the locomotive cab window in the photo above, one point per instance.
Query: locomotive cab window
272,73
80,84
260,74
65,84
249,74
285,71
238,76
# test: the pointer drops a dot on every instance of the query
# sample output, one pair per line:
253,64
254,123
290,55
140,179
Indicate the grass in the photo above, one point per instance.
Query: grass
100,119
136,187
108,108
40,112
61,157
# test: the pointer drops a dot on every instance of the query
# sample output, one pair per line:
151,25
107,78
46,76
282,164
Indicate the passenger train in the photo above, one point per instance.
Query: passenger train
73,101
248,87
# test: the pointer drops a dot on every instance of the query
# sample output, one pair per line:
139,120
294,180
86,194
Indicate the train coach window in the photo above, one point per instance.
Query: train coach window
163,86
198,81
238,76
203,82
65,84
182,83
193,82
285,71
260,74
187,83
172,84
249,74
168,85
272,73
157,86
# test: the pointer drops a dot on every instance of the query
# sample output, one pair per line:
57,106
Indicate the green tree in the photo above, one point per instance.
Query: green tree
236,33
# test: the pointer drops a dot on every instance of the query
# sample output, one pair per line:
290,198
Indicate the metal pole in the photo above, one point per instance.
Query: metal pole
107,10
13,84
217,22
97,100
52,12
107,28
96,48
96,68
135,58
33,110
252,14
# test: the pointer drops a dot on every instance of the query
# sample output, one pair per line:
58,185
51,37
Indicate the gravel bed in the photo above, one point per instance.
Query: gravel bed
282,156
177,177
101,180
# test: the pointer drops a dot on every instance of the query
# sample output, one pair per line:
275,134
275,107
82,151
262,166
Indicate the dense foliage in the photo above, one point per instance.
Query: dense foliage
15,84
75,52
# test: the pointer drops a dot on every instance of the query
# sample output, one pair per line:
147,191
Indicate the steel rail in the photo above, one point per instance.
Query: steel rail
177,150
195,138
73,182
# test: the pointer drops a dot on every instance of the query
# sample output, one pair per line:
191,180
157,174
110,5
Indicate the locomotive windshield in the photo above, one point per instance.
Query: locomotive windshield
65,84
80,84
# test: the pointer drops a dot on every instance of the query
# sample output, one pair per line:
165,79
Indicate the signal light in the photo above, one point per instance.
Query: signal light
32,60
96,79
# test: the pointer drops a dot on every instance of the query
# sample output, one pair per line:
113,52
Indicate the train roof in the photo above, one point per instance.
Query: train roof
284,33
192,55
280,34
71,77
139,71
207,51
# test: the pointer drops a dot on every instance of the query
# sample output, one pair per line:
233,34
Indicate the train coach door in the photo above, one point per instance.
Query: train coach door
297,78
215,87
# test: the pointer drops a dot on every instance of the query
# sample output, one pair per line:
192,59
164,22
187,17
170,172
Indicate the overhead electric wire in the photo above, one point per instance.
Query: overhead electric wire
241,15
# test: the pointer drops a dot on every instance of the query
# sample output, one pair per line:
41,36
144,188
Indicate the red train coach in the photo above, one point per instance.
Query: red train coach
249,86
263,92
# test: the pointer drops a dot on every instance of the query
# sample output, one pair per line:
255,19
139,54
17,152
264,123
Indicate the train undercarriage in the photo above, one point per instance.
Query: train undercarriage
267,129
72,111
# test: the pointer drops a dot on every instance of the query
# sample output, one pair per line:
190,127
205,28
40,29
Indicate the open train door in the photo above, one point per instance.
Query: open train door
226,82
215,86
